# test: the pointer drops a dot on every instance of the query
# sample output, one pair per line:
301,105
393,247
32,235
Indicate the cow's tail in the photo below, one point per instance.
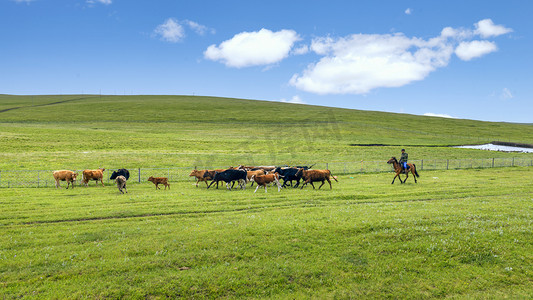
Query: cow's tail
334,177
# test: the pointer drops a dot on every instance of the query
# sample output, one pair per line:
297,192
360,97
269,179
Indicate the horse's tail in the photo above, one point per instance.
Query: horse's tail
416,173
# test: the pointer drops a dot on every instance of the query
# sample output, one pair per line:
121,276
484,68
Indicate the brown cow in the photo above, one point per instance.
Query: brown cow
65,175
263,180
310,176
250,174
199,174
159,180
93,175
121,183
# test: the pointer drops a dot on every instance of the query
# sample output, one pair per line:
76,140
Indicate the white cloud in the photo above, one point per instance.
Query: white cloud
170,31
198,28
439,115
469,50
506,94
486,28
408,11
23,1
303,49
257,48
106,2
362,62
359,63
295,99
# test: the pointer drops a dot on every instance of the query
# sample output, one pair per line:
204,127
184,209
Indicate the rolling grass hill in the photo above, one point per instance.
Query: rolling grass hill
78,131
456,233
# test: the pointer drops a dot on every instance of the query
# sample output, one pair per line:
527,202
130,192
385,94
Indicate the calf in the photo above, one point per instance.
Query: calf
210,174
288,175
65,175
120,172
263,180
159,180
310,176
199,174
229,176
121,183
93,175
250,174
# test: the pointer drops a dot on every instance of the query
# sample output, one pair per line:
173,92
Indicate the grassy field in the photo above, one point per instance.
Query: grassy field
457,233
163,131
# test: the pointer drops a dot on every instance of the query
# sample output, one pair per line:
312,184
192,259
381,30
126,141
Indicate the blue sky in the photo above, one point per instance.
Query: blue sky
460,59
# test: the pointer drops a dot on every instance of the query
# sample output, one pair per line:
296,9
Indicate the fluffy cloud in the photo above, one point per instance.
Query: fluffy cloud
246,49
408,11
486,28
173,31
362,62
469,50
170,31
359,63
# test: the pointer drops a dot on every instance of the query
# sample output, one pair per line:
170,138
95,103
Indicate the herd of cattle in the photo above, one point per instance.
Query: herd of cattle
260,175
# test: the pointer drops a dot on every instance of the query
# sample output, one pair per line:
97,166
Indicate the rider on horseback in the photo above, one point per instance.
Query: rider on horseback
403,160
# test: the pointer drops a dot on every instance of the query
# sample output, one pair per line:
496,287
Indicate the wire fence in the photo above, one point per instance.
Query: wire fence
44,178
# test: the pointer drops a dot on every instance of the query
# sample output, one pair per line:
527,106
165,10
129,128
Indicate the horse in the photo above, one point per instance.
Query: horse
399,170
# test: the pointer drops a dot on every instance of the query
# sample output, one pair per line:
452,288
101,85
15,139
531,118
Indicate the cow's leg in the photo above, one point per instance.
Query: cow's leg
312,185
211,184
305,182
323,181
125,187
102,181
257,188
297,183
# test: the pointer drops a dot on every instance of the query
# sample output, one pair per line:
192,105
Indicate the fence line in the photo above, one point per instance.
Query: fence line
44,178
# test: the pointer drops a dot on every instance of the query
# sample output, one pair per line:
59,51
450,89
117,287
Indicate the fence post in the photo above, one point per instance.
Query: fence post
139,175
493,162
38,179
327,166
422,165
513,163
447,163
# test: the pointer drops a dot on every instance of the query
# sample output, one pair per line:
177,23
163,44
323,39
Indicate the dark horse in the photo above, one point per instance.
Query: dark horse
399,170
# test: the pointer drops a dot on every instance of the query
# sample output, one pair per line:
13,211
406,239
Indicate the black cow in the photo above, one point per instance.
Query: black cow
288,175
120,172
230,175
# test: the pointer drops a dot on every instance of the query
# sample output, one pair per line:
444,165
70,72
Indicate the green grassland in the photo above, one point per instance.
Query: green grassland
166,131
457,233
462,233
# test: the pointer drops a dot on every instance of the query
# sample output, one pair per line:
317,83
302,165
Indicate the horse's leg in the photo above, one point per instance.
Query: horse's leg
413,171
395,178
406,176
